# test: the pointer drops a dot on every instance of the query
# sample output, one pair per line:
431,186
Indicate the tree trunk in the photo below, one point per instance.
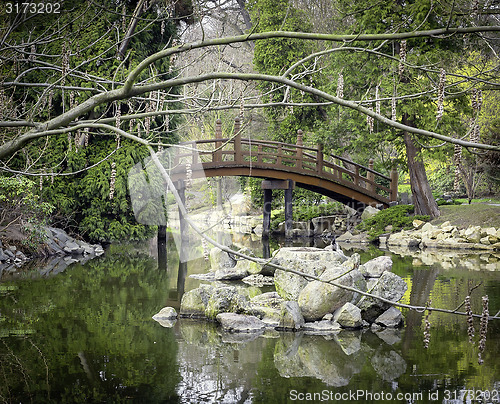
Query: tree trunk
424,202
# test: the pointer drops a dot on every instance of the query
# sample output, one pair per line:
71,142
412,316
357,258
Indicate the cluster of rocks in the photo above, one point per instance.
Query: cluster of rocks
426,235
301,302
60,248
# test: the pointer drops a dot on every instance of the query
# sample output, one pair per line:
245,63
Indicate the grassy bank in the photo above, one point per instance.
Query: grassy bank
476,214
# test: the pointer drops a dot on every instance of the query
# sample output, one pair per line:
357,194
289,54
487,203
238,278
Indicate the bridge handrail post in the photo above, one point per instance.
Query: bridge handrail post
194,154
370,176
356,178
299,149
237,140
319,159
217,155
394,184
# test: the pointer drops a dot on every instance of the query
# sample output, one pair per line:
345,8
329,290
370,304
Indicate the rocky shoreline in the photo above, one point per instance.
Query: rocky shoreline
299,303
58,251
446,236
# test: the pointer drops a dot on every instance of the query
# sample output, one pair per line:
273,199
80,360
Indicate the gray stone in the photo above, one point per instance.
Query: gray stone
389,286
321,327
71,247
230,274
369,212
259,280
220,259
309,260
9,254
225,300
290,316
3,256
266,307
98,250
376,266
166,313
348,316
319,298
233,322
194,302
392,317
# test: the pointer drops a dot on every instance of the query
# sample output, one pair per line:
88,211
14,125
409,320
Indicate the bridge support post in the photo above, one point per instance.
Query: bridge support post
288,210
181,189
266,220
268,186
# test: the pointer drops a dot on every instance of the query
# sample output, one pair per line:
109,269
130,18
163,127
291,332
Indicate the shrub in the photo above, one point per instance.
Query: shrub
304,213
399,217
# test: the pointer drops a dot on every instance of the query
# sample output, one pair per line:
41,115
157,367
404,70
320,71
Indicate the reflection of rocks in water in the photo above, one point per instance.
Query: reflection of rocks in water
388,365
450,259
214,367
349,341
315,356
390,336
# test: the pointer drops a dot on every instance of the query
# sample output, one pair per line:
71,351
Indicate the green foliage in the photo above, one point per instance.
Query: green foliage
20,204
87,52
304,213
399,217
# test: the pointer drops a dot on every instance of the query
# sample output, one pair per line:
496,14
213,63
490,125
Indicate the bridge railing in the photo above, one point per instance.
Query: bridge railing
296,158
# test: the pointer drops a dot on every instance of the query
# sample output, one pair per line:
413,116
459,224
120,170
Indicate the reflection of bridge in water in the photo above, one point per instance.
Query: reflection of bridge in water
285,165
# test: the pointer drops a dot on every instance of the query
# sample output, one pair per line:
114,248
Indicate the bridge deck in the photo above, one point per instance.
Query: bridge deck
309,167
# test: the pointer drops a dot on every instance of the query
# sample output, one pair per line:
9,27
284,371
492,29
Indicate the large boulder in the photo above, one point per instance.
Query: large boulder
389,286
369,212
309,260
275,311
194,302
376,266
319,297
225,300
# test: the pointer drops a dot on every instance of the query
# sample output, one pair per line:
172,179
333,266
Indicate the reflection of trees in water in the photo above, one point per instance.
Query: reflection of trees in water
90,335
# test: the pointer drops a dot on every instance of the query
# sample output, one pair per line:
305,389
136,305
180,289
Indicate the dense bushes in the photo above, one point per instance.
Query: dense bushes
399,217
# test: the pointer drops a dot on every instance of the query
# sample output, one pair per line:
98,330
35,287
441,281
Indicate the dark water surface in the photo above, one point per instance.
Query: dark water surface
86,335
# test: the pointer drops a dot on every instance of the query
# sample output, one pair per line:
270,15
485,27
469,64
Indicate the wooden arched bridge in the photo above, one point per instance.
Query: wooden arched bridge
307,167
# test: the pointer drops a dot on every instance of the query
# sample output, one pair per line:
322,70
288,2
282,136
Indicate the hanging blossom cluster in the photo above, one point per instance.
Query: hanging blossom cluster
477,102
393,108
340,86
118,121
457,159
475,9
402,58
483,329
189,176
470,320
440,106
112,181
206,254
377,100
370,121
427,326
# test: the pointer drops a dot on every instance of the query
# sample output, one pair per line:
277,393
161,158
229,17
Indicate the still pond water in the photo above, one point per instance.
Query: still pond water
86,335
